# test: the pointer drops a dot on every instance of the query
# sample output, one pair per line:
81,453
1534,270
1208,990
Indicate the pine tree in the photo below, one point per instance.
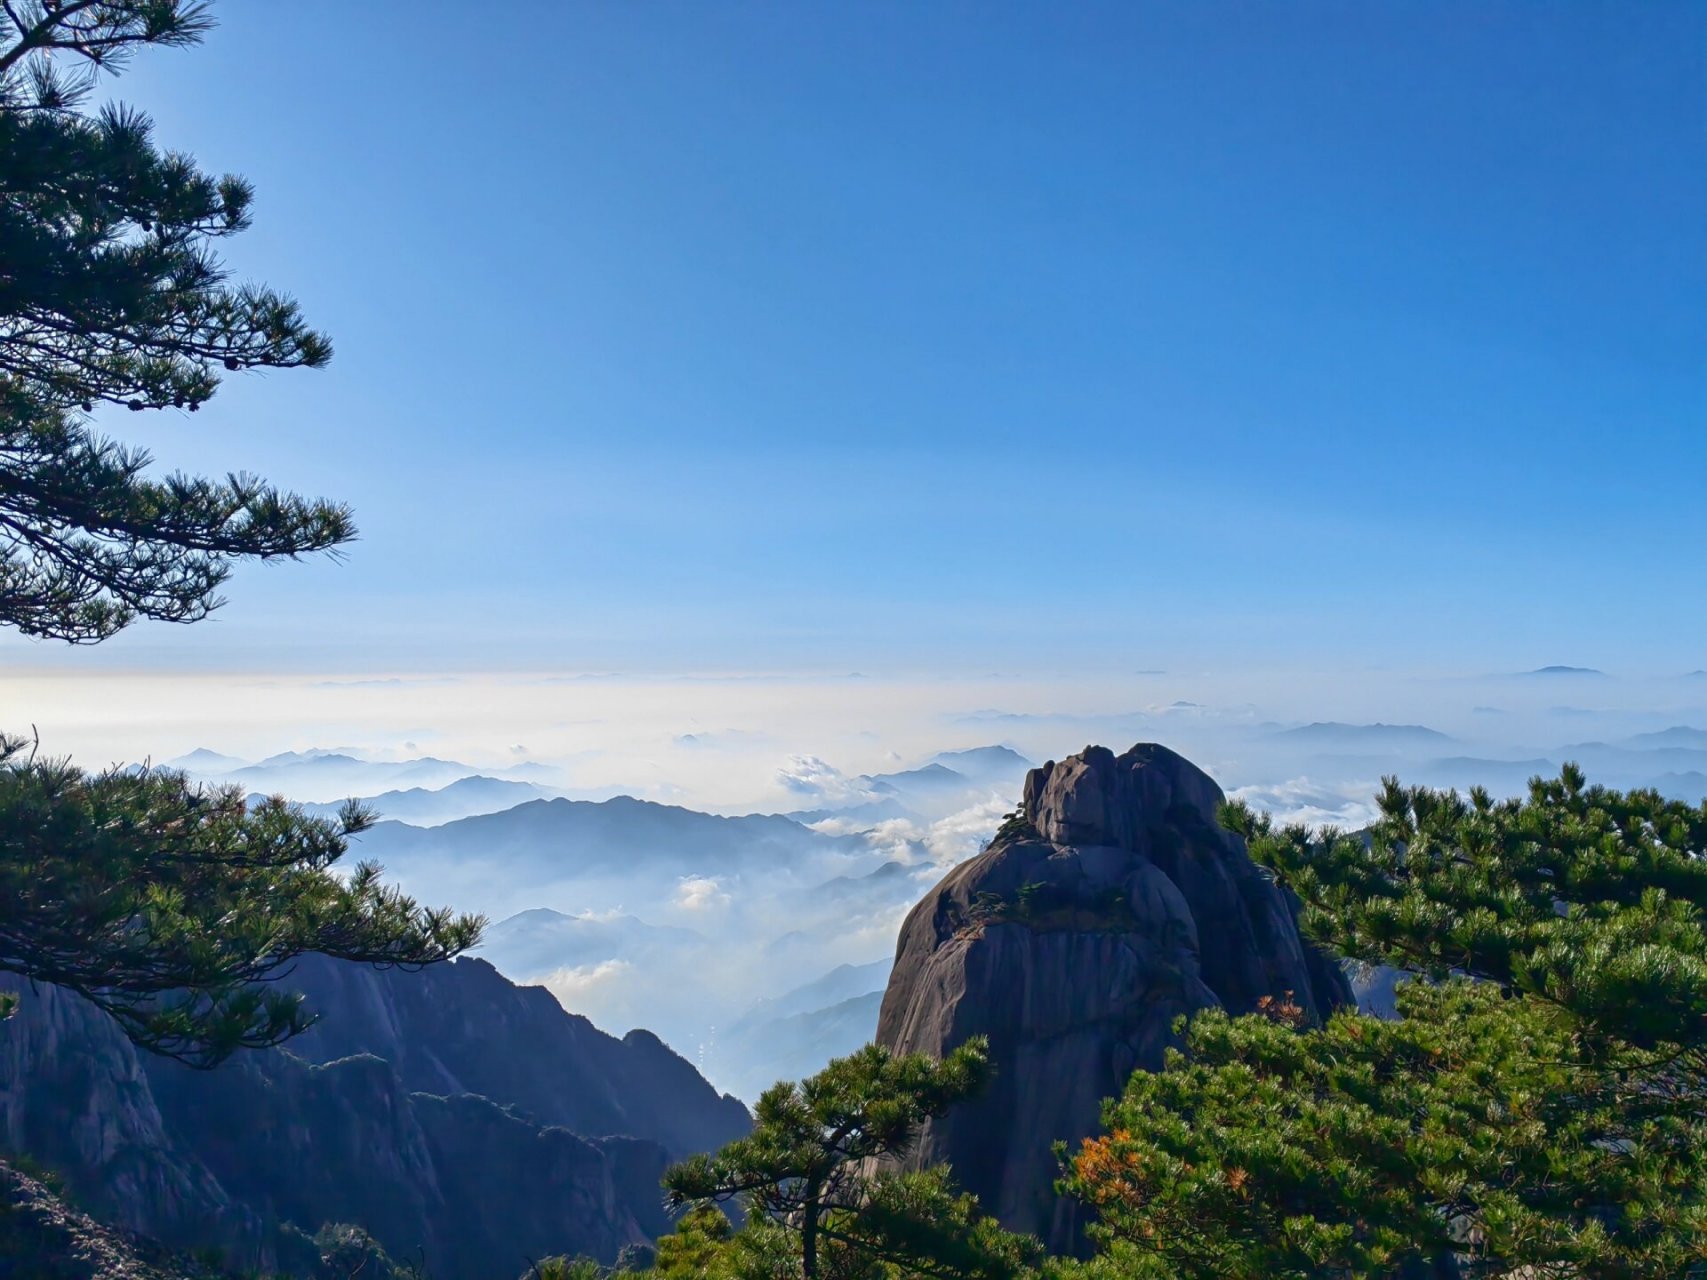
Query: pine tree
820,1202
111,295
1536,1109
696,1248
170,906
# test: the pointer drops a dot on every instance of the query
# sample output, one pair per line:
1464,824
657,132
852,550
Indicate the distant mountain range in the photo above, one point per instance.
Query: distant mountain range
985,764
427,807
321,775
203,761
932,777
1632,765
1689,787
1333,735
1671,761
844,982
891,881
638,913
1679,735
795,1046
948,782
791,1036
554,841
1500,777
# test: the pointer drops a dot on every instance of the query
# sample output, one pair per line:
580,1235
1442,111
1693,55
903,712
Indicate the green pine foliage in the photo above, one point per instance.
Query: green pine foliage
1591,901
170,907
564,1267
819,1199
699,1246
1537,1107
111,294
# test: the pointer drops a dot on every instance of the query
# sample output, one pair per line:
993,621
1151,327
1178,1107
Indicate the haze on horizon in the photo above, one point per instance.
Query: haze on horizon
759,945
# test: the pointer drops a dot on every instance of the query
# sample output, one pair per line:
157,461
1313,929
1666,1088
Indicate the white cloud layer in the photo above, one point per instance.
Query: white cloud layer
573,986
701,893
1349,805
814,779
695,935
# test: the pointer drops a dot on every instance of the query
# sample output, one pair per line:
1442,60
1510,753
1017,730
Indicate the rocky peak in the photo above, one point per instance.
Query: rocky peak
1098,798
1113,903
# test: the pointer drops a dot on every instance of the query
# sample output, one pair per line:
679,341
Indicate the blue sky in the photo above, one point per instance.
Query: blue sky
900,337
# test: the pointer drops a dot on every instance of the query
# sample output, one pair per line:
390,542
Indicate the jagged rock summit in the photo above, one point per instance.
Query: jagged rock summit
1111,903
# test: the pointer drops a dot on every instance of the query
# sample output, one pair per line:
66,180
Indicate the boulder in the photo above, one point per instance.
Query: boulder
1109,905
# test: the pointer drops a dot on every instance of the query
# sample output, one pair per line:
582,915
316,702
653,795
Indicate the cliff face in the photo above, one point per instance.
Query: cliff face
465,1028
75,1096
458,1118
1113,904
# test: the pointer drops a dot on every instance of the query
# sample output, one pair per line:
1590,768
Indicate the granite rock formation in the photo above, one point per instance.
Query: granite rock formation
458,1118
1111,903
43,1238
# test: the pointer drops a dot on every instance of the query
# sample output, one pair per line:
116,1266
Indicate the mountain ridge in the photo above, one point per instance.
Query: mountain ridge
448,1111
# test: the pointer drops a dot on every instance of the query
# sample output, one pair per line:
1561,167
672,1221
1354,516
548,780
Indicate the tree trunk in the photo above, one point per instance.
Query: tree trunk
809,1235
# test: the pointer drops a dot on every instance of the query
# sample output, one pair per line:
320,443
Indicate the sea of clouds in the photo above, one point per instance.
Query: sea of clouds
720,932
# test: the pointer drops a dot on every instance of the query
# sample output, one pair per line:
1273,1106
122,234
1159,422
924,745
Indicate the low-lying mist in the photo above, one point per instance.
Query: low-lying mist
727,860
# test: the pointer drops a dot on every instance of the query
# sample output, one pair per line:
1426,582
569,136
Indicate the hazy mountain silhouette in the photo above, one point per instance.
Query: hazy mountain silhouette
1689,787
932,777
464,798
997,762
1334,735
532,944
551,840
844,982
1500,777
1679,735
794,1035
201,760
326,775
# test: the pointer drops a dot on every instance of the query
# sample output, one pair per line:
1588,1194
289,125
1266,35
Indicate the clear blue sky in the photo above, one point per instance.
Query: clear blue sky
893,336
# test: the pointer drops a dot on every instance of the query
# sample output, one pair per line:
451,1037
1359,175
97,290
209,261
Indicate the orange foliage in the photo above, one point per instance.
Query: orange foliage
1109,1170
1285,1010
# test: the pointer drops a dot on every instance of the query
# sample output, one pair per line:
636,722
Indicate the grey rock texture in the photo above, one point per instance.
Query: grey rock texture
1112,904
458,1118
75,1096
465,1028
42,1238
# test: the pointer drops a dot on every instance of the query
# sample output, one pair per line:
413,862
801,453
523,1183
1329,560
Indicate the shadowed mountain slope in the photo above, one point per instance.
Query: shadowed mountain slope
457,1117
